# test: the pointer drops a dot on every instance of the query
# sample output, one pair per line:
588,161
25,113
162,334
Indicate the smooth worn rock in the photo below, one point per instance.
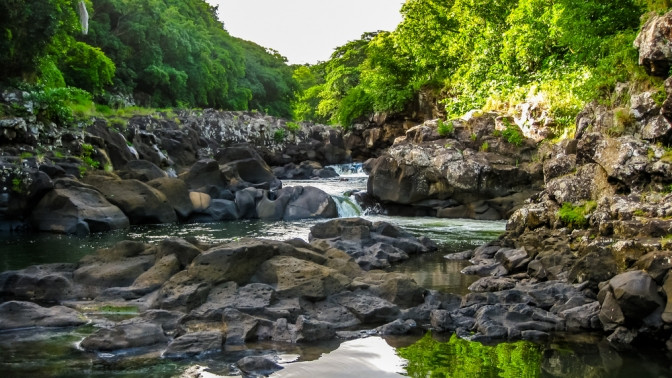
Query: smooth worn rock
193,344
15,314
48,283
258,365
636,294
139,201
177,195
77,210
125,335
292,277
142,170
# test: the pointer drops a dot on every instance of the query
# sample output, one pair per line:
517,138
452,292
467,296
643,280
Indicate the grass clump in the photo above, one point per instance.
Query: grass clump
576,216
444,128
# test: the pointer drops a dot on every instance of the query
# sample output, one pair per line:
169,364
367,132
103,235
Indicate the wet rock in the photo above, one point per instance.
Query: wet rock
193,344
667,289
397,288
584,317
258,365
182,292
117,266
369,243
508,322
125,335
621,338
309,202
397,327
239,327
237,261
47,283
636,294
292,277
304,171
491,284
139,201
14,314
158,274
77,210
176,193
308,329
366,307
249,165
182,249
141,170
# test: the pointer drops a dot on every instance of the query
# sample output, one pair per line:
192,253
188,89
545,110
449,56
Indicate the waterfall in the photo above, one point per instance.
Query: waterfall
347,207
349,170
83,17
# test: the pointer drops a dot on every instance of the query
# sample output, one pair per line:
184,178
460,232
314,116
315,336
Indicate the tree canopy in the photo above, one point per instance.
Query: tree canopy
164,53
480,53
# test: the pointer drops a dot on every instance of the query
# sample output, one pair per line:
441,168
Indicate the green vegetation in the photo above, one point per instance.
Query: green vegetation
293,127
512,134
162,53
576,216
477,54
444,128
462,358
485,146
666,241
87,159
279,135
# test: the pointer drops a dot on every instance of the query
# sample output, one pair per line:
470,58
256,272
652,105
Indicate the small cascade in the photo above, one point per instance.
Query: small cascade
347,207
349,170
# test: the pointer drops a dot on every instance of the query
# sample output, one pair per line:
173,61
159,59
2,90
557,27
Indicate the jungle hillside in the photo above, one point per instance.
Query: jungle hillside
460,54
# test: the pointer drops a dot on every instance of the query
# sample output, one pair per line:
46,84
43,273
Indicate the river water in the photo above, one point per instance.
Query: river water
54,352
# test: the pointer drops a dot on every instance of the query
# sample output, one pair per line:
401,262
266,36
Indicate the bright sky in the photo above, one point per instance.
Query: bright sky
306,31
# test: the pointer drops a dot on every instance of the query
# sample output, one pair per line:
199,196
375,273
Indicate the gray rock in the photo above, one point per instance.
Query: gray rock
655,46
77,210
258,365
48,283
193,344
14,314
142,170
125,335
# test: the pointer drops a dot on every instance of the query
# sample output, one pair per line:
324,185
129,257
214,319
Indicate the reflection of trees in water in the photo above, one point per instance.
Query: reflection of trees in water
433,271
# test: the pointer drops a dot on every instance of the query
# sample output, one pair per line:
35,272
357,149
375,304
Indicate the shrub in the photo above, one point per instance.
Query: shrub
576,216
512,134
293,127
279,135
444,128
485,146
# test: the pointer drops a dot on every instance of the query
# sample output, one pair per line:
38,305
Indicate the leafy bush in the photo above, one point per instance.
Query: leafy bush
444,128
293,127
576,216
279,135
55,104
512,134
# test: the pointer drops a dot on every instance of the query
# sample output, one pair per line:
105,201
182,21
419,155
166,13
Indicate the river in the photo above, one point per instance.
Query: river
54,352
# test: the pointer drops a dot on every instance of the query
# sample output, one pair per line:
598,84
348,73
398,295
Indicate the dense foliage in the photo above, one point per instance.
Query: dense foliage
489,54
463,358
162,53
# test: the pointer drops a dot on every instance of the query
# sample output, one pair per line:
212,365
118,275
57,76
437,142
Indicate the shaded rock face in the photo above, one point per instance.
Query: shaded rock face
77,210
454,176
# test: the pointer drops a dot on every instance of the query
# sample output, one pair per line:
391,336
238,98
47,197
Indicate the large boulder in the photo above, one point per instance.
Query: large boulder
142,170
139,201
49,283
177,194
654,43
125,335
77,210
309,202
249,166
15,314
292,277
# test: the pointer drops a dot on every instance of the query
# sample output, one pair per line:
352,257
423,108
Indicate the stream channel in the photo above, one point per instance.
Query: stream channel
54,352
